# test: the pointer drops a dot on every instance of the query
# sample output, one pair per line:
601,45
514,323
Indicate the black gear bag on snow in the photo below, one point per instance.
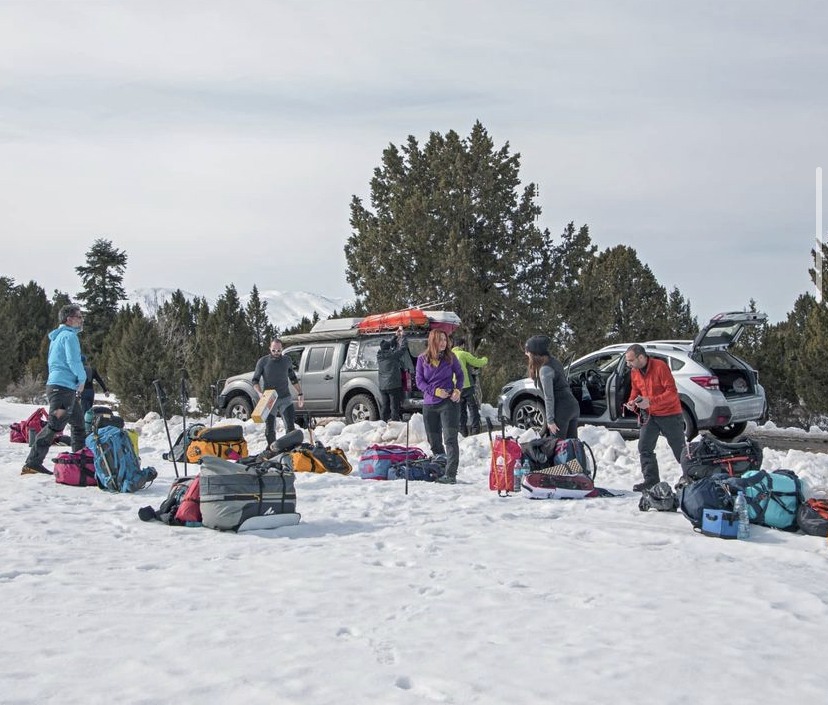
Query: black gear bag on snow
711,492
709,456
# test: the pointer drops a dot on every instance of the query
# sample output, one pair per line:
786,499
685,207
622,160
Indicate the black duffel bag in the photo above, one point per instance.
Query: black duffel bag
709,456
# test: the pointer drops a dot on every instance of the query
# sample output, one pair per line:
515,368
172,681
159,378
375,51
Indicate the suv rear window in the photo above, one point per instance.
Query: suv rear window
362,354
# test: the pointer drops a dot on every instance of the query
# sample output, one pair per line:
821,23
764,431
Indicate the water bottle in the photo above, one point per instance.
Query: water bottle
520,471
741,509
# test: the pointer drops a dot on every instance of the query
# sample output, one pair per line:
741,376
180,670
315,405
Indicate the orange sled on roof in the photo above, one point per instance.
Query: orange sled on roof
409,319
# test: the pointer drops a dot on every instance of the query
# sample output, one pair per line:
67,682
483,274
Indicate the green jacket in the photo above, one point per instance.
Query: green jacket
466,358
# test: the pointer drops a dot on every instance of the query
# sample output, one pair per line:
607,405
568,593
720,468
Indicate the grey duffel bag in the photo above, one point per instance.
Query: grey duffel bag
236,497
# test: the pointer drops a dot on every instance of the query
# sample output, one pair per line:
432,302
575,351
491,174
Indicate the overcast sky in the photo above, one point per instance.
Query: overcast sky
221,142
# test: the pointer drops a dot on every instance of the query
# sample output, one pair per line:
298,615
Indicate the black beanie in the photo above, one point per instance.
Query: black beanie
538,345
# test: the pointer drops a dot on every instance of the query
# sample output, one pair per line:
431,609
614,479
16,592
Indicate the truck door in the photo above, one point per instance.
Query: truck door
318,377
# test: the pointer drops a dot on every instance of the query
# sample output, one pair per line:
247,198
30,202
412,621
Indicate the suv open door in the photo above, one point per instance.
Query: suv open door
725,329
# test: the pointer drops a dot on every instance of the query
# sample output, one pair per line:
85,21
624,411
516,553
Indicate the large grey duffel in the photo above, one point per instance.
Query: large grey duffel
236,497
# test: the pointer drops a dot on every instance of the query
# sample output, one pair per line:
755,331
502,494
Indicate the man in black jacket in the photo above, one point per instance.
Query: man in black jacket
276,372
392,359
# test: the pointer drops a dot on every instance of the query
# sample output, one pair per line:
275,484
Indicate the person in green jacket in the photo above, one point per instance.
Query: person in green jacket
469,410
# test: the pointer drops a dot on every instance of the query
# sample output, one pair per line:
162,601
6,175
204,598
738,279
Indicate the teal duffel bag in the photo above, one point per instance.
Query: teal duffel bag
773,498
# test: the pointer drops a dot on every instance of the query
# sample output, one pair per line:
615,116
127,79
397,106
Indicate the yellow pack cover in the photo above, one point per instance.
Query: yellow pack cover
319,459
229,450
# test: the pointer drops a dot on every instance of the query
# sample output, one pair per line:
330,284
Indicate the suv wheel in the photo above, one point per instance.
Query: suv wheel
730,431
238,408
529,413
690,428
361,407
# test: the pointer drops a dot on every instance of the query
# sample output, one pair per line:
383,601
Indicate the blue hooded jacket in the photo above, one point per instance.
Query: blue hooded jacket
65,365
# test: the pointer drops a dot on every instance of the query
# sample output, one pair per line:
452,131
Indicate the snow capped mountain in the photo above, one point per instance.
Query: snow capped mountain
285,308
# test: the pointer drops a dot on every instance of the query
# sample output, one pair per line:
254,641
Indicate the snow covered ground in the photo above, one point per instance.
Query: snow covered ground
445,595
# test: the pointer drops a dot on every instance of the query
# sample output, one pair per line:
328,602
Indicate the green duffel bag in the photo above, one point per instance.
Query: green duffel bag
773,498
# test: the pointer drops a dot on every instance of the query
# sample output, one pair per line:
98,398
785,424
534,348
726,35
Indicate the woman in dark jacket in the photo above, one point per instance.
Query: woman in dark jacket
560,404
88,393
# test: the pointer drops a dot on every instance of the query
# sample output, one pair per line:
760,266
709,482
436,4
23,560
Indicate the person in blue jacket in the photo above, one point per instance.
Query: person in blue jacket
63,387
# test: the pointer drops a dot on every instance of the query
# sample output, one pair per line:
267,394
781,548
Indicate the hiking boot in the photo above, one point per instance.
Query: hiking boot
447,480
35,469
643,486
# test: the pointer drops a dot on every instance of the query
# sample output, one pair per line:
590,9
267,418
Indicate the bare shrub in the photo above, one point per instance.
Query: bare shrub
30,389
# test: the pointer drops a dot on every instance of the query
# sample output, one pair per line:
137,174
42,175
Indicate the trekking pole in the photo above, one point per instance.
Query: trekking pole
212,402
159,391
407,454
311,423
111,479
185,402
505,458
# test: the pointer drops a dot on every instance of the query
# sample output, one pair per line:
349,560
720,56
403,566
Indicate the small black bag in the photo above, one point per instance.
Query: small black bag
659,497
539,452
812,517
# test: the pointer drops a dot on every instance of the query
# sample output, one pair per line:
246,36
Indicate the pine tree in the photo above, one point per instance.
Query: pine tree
102,277
224,345
134,358
259,321
448,226
680,320
568,262
621,302
177,328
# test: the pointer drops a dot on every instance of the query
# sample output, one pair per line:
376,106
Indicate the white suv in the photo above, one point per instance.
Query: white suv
718,390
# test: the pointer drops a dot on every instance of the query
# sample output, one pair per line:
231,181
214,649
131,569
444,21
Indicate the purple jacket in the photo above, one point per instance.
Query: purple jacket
447,375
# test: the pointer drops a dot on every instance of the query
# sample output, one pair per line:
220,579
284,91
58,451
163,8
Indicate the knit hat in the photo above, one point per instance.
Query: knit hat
538,345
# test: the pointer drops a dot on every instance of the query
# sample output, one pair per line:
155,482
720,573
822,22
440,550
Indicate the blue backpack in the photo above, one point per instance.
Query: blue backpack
117,467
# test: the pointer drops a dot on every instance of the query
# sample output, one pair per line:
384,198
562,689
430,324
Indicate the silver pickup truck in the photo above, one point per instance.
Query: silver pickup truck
337,367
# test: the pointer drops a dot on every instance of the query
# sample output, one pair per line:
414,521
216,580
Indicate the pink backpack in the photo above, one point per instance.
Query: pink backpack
19,432
77,469
376,460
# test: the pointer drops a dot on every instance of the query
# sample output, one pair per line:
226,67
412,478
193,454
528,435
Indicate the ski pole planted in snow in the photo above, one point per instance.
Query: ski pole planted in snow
159,392
407,420
185,402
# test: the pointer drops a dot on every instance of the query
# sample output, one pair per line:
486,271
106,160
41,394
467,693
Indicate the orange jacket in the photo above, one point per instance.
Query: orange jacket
657,385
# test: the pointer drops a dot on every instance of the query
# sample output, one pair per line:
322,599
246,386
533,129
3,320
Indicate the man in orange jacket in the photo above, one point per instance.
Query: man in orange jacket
653,395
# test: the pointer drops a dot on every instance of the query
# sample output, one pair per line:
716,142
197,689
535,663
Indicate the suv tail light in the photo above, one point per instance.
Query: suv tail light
708,381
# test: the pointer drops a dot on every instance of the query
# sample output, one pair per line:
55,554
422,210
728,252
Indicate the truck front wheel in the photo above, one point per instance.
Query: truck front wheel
361,407
239,408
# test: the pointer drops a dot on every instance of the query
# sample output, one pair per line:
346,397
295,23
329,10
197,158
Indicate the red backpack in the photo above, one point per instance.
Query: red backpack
506,453
19,432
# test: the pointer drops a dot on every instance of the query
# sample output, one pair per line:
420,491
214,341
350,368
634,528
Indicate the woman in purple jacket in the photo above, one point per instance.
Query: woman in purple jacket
440,378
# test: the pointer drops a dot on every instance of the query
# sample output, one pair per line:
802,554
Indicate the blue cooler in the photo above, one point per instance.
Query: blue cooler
720,522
